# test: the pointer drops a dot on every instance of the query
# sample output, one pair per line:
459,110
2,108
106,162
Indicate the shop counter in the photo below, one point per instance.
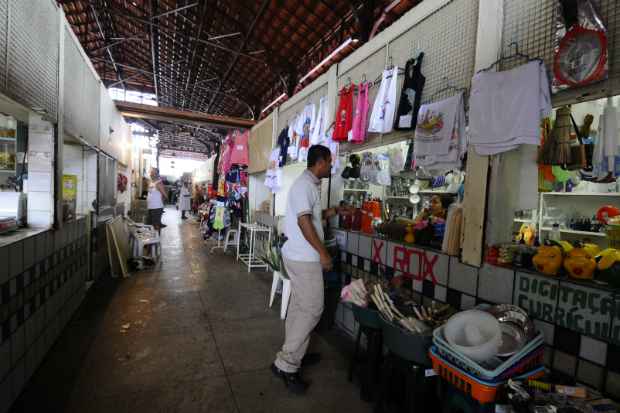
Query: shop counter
19,235
580,320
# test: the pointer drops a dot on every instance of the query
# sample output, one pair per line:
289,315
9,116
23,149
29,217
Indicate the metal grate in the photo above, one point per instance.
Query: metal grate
448,39
33,54
531,23
4,15
81,93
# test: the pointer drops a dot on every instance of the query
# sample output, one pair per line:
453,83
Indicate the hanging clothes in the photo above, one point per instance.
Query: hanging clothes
283,143
273,175
384,108
316,137
360,118
226,154
240,150
606,145
440,140
411,95
308,117
506,108
344,114
293,147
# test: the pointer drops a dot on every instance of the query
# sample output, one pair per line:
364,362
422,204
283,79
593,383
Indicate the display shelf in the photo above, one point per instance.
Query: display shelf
576,232
526,221
615,194
397,197
355,190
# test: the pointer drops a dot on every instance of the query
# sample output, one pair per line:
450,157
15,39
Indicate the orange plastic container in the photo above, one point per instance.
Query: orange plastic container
479,390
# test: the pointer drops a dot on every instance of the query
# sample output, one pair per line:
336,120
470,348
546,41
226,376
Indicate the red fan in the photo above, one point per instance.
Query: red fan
581,57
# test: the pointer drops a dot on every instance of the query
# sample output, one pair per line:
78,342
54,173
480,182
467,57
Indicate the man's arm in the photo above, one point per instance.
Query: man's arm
309,232
330,212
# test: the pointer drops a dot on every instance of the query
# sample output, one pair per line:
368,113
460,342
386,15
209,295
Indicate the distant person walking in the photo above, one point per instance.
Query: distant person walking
185,200
155,200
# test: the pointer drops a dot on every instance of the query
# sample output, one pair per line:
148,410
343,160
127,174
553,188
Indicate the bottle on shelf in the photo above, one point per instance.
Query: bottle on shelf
554,234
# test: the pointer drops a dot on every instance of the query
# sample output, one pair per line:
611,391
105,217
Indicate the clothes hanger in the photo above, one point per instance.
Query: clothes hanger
516,54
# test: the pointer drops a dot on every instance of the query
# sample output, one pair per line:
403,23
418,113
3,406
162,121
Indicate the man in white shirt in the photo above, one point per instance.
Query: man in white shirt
305,258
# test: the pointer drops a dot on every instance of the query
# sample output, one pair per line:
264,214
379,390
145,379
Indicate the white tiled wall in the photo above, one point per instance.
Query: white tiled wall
40,186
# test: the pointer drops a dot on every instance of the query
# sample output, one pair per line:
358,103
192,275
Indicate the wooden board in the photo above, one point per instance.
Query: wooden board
120,242
474,207
115,265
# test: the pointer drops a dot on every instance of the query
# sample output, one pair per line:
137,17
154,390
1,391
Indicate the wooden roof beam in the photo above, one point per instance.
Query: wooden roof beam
139,111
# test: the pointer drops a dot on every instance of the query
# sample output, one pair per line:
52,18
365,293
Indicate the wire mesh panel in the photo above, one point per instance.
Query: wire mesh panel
81,93
531,25
33,34
284,116
4,14
448,39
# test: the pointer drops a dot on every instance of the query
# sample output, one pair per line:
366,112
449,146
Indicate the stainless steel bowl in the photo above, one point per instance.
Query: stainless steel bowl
517,328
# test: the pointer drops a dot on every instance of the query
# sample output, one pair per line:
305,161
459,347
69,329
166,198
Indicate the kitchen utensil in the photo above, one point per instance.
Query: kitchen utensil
475,334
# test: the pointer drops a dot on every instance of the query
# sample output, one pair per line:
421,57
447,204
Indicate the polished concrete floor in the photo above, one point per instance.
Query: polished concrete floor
193,335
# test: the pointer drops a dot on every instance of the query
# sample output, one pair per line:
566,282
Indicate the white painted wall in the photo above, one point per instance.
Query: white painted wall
258,192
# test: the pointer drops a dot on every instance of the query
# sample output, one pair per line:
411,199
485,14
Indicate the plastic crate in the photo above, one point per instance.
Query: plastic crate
480,390
517,363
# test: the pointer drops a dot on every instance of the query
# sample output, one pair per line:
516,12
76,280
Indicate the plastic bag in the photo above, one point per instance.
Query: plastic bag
581,47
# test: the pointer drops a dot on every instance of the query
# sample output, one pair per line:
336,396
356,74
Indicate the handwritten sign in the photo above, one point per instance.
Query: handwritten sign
537,295
586,310
423,267
589,311
379,250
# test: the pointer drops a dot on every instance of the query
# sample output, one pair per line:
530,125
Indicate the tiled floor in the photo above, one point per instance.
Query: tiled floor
195,335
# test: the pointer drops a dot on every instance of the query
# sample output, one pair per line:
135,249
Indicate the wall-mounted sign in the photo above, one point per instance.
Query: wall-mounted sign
589,311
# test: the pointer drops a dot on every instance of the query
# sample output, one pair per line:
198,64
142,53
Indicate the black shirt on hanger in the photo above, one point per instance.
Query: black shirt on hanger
411,95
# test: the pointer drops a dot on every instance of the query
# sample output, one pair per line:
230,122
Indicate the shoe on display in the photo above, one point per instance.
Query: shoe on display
311,359
293,381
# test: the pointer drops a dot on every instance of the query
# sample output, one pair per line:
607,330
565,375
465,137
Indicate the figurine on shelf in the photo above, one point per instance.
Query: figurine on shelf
409,237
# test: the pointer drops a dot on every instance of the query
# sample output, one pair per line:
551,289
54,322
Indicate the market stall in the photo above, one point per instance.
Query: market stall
487,184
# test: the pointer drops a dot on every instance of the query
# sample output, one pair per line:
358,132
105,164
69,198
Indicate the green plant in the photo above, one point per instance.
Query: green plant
273,258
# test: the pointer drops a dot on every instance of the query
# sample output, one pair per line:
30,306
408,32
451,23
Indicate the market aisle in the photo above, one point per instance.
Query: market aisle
192,336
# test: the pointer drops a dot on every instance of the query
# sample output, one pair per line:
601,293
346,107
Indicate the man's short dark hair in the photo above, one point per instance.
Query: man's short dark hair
316,153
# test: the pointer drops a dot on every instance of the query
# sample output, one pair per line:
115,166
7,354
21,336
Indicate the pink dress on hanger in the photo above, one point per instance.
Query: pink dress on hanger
227,149
360,118
240,155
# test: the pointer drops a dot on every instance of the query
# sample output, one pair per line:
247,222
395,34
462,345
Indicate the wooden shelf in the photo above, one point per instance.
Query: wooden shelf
575,232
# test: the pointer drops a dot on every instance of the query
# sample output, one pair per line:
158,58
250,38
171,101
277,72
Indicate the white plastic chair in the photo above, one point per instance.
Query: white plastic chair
142,236
235,242
286,292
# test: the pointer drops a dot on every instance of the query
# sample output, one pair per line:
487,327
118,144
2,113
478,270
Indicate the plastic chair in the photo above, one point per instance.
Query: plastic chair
286,292
235,242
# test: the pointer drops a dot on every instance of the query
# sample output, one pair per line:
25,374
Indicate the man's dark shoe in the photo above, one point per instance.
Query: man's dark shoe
311,359
292,381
